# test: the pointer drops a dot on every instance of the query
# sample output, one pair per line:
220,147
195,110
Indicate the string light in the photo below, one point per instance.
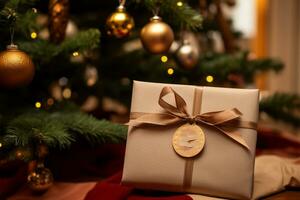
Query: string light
0,144
33,35
63,81
170,71
67,93
19,154
209,78
179,3
58,8
75,53
50,101
34,10
38,104
164,59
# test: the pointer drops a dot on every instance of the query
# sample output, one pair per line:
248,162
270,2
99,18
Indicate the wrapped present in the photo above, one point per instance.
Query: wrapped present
192,139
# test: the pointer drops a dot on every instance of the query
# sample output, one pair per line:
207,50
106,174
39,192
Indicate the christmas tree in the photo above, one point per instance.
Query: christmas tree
71,71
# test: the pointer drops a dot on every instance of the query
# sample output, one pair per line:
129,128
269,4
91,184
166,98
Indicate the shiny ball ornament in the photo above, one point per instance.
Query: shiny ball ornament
230,3
119,23
16,68
40,179
187,55
58,19
157,36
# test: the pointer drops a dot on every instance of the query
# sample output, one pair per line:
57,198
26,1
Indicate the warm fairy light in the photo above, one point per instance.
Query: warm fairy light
67,93
164,59
50,101
38,104
58,7
19,154
209,78
34,10
179,3
75,53
33,35
170,71
120,17
90,82
0,144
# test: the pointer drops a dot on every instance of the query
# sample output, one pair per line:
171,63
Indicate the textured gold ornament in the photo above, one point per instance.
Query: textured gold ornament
187,55
16,68
119,23
42,150
157,36
58,19
40,179
188,140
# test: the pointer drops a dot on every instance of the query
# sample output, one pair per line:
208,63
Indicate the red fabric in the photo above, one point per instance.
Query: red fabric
85,161
111,189
9,184
277,143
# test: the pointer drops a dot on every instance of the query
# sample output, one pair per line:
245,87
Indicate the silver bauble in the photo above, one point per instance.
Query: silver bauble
187,55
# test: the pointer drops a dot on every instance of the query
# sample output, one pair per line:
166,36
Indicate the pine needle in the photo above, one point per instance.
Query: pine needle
284,107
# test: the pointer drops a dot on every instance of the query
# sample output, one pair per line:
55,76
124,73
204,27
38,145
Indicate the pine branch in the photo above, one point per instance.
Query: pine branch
19,4
40,50
89,39
44,51
60,129
30,128
177,15
26,23
13,8
93,130
284,107
183,16
221,65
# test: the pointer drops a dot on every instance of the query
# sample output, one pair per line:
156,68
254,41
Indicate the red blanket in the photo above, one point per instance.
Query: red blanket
111,189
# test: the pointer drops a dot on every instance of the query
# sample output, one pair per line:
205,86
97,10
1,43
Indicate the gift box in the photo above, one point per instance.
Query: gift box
192,139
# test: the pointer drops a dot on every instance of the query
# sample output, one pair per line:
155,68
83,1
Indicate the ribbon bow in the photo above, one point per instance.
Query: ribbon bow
218,119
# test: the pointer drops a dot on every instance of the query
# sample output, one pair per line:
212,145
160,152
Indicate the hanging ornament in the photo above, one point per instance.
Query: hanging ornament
91,75
40,178
58,19
157,36
187,55
42,21
16,67
230,3
119,23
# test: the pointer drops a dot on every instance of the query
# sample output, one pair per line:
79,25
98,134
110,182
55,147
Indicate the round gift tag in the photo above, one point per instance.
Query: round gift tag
188,140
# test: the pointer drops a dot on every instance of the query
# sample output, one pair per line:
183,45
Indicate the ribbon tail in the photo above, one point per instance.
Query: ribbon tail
220,117
236,136
153,119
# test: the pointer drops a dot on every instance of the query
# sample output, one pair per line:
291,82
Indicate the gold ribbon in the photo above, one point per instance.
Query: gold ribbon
218,119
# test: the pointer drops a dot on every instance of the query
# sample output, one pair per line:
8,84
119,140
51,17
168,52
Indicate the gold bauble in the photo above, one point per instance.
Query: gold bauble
16,68
157,36
58,19
119,23
40,179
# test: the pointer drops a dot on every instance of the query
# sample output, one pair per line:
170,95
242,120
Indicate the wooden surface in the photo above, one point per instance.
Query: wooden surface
286,195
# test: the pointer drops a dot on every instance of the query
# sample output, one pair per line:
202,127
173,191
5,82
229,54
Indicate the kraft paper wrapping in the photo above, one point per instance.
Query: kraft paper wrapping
223,169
